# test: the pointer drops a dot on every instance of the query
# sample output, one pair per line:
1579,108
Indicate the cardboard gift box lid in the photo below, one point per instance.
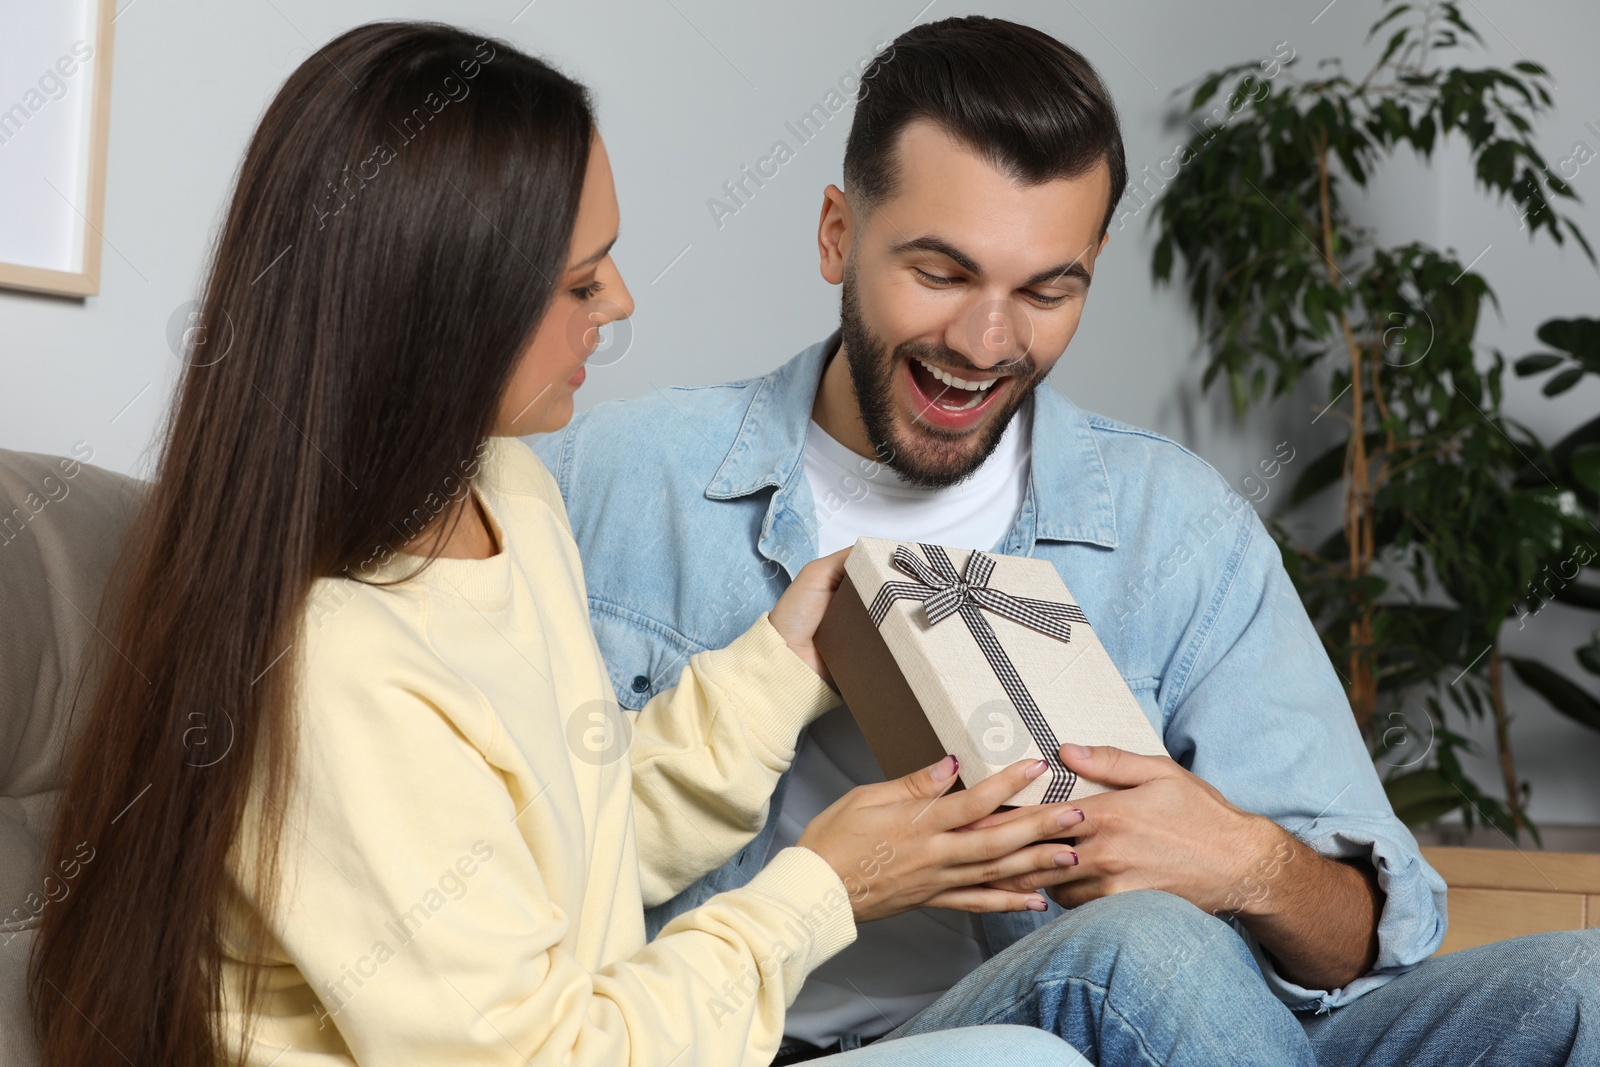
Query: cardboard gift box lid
947,650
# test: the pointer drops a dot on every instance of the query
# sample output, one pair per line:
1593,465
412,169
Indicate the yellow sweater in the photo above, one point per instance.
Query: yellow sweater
472,835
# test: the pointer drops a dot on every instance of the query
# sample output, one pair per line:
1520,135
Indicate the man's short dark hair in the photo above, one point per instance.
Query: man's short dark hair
1032,106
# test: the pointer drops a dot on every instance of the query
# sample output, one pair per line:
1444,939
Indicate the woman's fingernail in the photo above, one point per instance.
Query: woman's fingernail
946,768
1037,904
1077,751
1068,858
1037,769
1069,818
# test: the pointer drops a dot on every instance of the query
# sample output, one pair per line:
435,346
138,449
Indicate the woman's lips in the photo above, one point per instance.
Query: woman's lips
930,396
577,377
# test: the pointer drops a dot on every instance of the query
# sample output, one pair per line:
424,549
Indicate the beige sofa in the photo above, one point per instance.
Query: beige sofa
61,525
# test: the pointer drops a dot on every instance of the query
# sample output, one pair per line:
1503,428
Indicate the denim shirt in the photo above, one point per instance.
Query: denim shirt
692,512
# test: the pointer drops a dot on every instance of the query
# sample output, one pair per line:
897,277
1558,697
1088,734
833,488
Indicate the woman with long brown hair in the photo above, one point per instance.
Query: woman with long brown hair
355,782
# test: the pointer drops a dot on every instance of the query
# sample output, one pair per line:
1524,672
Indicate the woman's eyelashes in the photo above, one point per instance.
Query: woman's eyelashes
588,292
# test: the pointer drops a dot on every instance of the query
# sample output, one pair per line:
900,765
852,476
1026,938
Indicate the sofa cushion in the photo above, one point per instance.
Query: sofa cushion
18,1046
62,524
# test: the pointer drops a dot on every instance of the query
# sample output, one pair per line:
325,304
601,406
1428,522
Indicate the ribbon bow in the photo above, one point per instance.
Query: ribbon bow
943,593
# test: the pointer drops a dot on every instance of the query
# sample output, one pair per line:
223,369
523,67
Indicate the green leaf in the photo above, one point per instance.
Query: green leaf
1537,363
1564,695
1439,400
1563,450
1394,42
1425,134
1580,337
1452,15
1531,68
1240,389
1420,797
1586,465
1579,595
1162,265
1206,90
1563,381
1394,13
1588,433
1589,655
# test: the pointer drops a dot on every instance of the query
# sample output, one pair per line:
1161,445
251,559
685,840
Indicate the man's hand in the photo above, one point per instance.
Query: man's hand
1168,829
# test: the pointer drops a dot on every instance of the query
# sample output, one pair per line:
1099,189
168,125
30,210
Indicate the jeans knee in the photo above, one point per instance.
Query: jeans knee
1010,1043
1153,939
1541,973
1149,921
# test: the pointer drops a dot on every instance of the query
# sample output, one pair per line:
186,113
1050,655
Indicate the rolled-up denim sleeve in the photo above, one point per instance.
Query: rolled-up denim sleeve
1259,712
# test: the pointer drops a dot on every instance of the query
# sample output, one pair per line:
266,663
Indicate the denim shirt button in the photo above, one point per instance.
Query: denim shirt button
640,683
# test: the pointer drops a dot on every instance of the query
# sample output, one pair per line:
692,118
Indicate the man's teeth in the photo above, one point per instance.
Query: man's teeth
954,382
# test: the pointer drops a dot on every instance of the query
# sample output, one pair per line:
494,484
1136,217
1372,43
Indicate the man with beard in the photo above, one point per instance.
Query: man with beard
1252,900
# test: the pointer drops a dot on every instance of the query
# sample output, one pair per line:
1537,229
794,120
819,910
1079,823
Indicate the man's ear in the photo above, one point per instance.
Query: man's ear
835,231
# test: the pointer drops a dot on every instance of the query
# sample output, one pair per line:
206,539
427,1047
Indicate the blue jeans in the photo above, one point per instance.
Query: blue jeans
1147,978
1530,1002
973,1046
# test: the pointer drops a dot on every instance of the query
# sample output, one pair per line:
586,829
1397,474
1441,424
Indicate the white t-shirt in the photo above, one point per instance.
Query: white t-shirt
900,965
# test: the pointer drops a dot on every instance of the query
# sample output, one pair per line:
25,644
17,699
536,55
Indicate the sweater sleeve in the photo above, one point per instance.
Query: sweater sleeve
423,921
708,752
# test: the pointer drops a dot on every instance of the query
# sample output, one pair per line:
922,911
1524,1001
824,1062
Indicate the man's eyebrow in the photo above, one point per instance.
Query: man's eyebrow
930,243
597,257
1075,269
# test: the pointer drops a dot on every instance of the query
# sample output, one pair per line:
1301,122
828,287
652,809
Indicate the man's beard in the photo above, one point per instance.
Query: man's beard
934,459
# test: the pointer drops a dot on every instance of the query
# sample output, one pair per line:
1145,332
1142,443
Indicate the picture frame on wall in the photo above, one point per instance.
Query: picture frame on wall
55,103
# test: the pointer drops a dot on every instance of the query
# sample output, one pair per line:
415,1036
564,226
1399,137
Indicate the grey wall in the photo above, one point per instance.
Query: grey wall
689,92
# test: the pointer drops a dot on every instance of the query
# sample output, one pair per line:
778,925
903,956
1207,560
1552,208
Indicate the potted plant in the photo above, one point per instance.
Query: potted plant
1454,514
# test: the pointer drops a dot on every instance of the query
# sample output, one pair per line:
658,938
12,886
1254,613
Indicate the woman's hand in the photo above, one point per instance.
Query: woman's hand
799,610
905,844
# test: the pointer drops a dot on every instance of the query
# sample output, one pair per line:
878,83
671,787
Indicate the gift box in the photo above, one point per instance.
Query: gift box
945,650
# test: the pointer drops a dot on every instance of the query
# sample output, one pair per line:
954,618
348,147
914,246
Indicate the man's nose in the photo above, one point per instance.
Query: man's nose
991,333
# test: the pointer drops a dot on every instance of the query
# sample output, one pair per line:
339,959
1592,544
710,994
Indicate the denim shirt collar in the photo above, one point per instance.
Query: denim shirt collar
1069,490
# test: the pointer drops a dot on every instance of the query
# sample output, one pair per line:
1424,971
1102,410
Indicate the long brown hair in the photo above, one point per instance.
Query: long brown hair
397,221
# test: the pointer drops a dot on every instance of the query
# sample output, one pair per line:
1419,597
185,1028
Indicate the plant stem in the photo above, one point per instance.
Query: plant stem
1383,412
1502,739
1358,531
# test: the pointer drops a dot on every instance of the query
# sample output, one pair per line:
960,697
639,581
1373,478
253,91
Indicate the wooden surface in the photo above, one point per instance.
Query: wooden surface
1496,893
1502,868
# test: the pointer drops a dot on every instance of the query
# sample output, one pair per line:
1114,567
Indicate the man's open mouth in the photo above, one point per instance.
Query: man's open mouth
949,401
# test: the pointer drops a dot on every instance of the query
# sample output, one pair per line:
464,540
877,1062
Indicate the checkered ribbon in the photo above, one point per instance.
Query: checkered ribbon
944,593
